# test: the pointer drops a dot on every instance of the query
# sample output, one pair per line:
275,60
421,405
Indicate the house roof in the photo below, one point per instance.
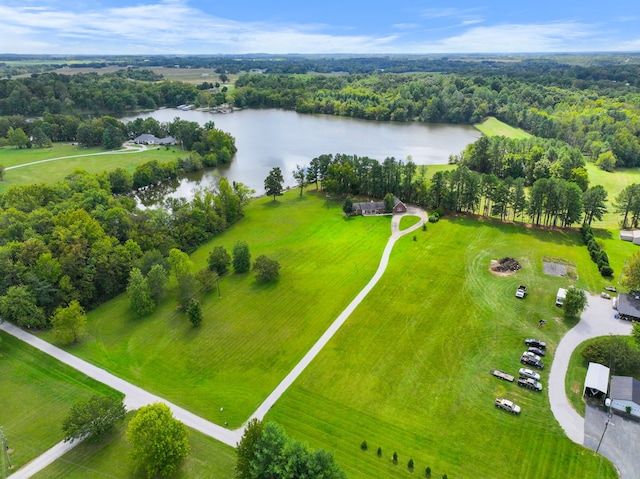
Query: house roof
146,138
625,388
597,378
629,305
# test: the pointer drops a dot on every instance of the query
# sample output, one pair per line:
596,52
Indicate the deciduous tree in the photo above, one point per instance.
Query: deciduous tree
300,177
266,269
159,442
219,260
140,299
92,418
574,303
631,272
70,323
194,311
241,257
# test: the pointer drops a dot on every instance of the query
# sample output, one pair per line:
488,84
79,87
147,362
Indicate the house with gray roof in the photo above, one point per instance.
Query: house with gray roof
377,207
147,139
629,306
625,393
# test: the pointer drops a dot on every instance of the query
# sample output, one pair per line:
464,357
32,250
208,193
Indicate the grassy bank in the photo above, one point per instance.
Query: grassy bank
494,127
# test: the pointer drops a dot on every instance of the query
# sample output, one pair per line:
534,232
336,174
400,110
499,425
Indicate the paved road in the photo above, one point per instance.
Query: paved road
596,320
136,397
128,148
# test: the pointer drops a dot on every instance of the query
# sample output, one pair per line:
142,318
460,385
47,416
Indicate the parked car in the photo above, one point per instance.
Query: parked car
537,351
529,373
532,354
531,361
530,384
605,295
611,288
536,343
521,291
507,405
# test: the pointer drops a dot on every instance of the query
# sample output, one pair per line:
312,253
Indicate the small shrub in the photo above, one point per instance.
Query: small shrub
379,452
424,226
415,238
410,465
427,472
364,446
394,458
606,271
444,476
433,219
628,409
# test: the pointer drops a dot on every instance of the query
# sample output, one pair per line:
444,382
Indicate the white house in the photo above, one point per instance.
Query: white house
625,393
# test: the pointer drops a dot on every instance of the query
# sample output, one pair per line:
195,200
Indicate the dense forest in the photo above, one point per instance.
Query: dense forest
78,240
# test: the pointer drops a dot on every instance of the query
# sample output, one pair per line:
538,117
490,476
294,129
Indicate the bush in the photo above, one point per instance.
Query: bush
433,219
394,458
364,446
379,452
410,465
427,472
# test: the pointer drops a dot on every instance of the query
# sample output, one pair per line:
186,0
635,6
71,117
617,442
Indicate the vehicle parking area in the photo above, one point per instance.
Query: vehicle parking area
620,440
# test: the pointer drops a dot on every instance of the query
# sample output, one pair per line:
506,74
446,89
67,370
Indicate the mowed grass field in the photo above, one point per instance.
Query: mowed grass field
409,371
110,459
254,334
36,394
52,171
494,127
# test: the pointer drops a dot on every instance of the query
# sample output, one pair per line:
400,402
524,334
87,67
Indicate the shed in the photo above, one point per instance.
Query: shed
597,380
561,296
629,306
625,393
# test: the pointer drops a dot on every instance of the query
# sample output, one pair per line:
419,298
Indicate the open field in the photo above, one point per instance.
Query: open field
52,171
109,458
614,183
252,336
494,127
409,370
37,393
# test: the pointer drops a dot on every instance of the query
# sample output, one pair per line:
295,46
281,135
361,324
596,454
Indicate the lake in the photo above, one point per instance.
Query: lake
270,138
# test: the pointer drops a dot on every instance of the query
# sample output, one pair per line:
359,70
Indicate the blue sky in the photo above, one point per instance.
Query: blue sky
331,26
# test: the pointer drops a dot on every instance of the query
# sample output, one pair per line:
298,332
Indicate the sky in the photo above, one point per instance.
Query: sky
113,27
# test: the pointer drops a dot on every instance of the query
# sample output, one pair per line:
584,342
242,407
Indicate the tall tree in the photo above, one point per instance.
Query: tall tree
627,202
140,299
70,323
313,172
595,203
219,260
194,311
92,418
17,137
273,183
246,448
157,278
574,303
241,257
300,177
19,306
631,272
266,269
158,441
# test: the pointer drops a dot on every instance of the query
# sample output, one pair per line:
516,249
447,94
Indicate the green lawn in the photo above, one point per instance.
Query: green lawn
252,336
36,393
53,171
494,127
409,370
614,183
109,458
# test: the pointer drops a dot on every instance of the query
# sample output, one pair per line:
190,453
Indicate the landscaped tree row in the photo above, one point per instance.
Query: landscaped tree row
551,201
75,241
601,119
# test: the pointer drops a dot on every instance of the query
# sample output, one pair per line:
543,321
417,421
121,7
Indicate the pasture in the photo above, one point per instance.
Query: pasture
37,393
494,127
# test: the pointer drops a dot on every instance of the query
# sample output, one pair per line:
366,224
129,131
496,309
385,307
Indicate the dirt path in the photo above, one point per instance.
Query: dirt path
136,397
128,148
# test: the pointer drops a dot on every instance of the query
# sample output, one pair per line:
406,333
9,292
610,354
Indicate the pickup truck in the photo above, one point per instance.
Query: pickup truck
530,384
521,291
502,375
507,405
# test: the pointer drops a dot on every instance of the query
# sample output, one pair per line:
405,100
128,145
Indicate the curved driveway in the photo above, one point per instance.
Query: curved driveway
136,397
596,320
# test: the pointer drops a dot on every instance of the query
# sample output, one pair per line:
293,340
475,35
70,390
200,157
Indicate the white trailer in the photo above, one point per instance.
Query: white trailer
561,296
